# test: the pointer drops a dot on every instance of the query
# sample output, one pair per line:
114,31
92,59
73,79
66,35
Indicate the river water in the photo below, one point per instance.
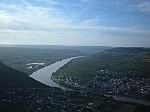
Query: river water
44,75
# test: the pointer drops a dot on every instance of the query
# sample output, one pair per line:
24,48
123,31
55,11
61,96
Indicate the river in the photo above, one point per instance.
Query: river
44,75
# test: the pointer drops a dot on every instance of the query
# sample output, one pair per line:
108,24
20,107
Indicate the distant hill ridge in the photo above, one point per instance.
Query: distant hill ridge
129,50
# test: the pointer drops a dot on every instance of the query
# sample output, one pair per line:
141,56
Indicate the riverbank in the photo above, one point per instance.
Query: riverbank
44,75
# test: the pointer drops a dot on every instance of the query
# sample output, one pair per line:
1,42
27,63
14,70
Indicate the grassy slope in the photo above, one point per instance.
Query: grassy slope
125,61
10,78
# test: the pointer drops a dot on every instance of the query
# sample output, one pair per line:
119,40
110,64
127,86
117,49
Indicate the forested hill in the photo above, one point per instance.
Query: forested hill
10,78
130,62
132,50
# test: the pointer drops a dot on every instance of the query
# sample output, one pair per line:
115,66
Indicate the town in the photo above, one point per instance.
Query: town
110,83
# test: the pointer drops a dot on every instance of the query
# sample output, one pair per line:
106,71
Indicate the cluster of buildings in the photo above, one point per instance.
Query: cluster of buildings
111,83
116,84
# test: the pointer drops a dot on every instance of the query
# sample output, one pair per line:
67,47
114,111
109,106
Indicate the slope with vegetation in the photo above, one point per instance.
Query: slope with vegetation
121,71
133,62
10,78
19,57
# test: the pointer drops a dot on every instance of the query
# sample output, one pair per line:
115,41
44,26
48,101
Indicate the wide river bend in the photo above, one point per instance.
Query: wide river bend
44,75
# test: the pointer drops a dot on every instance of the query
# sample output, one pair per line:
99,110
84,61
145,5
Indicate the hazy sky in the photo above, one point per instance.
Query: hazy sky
75,22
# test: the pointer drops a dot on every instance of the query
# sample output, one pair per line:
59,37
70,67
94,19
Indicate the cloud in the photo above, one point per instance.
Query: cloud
28,23
30,17
144,7
85,1
37,18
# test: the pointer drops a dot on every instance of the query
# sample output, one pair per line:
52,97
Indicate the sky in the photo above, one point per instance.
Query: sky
75,22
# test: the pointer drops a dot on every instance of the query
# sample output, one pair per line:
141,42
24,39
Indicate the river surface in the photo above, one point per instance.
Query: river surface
44,75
